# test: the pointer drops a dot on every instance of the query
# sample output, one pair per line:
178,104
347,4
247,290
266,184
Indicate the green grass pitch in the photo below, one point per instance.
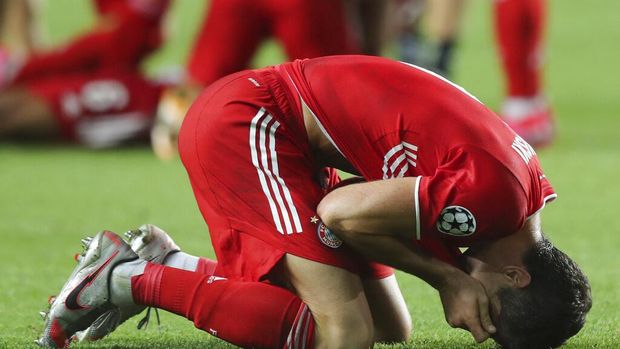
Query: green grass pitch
51,196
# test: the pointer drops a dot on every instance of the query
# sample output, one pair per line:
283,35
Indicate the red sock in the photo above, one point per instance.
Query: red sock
519,28
206,266
247,314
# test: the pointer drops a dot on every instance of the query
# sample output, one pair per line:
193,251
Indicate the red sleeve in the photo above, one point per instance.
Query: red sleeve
119,45
79,55
471,197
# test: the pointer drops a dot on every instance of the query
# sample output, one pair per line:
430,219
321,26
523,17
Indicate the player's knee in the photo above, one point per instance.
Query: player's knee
393,327
348,327
334,216
328,211
404,332
353,333
400,332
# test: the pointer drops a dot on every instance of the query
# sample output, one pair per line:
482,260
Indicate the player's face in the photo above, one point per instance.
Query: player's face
497,265
490,277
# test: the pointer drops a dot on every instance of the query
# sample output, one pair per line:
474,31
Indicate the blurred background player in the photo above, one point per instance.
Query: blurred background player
428,32
367,19
19,34
233,30
230,35
519,27
432,46
92,89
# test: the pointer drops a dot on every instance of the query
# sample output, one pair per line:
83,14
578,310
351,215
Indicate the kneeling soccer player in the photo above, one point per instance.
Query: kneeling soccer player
444,172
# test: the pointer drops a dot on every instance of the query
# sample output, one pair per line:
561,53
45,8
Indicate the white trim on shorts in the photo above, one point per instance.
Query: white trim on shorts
276,191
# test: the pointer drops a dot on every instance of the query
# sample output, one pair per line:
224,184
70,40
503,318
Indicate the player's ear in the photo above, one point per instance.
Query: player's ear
518,276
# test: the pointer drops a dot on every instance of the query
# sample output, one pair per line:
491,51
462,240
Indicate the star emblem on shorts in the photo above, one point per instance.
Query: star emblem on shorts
314,219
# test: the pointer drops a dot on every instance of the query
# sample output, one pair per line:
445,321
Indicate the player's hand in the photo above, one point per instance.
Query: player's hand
173,105
466,305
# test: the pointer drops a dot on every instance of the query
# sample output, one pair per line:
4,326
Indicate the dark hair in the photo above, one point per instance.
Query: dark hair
551,309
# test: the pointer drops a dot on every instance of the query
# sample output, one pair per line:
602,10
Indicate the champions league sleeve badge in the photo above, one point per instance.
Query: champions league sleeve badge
456,221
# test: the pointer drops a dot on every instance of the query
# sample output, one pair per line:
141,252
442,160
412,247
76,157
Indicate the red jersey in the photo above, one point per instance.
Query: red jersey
477,179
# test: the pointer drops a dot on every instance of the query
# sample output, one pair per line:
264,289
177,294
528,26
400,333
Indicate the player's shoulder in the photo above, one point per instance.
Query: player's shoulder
472,196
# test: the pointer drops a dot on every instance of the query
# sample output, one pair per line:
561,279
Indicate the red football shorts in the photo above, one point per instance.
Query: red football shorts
100,109
233,29
256,182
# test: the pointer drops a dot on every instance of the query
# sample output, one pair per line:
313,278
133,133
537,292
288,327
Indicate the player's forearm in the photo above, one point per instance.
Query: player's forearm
77,55
428,268
377,220
82,53
401,255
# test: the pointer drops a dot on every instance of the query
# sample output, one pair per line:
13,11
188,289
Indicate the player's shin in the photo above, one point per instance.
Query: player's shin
247,314
519,26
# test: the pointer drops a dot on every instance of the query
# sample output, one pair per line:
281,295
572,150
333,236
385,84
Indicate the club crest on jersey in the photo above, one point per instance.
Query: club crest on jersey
456,221
327,237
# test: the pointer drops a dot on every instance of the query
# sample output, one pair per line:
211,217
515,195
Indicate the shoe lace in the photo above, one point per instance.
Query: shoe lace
144,323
